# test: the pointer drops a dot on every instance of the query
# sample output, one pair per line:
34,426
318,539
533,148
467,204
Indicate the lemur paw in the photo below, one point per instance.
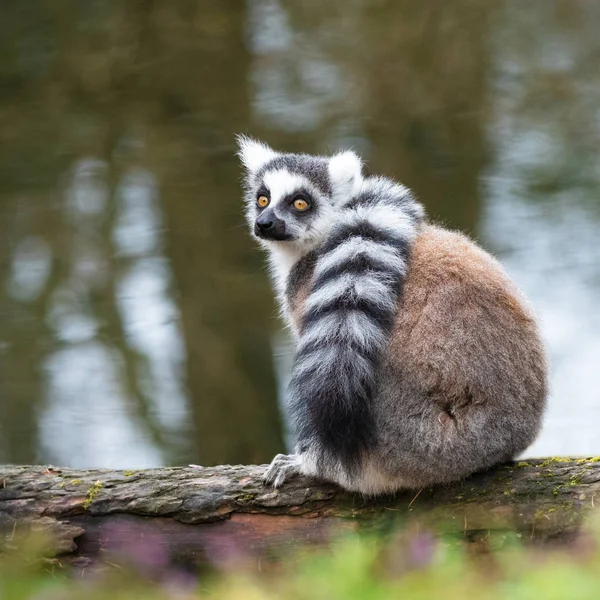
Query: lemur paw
282,468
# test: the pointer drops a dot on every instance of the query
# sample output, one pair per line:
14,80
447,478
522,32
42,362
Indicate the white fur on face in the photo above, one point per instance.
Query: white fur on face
281,183
283,255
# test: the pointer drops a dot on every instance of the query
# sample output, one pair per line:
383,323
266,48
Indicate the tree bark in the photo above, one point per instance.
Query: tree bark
196,513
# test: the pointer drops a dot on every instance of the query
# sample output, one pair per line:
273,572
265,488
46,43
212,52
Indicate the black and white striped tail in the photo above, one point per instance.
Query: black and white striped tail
347,319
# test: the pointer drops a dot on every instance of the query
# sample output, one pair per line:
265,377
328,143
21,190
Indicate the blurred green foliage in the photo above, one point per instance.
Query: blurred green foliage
409,565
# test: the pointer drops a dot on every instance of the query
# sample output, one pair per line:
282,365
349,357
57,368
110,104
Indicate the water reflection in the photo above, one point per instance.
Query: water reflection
542,209
123,366
30,269
136,321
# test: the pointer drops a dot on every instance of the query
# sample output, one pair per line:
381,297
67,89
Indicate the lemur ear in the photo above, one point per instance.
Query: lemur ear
254,154
345,170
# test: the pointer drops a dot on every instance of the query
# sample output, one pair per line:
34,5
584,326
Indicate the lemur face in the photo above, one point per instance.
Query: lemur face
292,198
290,206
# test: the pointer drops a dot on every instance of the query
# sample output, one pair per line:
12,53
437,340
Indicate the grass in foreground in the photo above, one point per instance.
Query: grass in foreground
413,566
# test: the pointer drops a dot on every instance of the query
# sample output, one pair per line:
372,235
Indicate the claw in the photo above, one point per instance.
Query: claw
282,468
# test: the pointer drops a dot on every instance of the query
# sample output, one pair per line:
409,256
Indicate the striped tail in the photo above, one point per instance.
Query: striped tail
347,319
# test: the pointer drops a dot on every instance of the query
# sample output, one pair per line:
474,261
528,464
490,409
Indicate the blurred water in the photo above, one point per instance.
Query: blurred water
137,326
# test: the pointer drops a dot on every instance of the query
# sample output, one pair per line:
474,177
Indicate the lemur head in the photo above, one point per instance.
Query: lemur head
292,198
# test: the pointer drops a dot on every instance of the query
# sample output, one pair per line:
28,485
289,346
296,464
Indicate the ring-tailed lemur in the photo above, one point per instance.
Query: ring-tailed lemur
418,361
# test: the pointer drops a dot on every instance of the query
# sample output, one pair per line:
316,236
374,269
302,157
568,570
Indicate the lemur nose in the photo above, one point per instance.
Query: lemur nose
265,225
269,227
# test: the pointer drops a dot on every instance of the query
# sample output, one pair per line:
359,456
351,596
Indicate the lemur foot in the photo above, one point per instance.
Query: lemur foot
282,468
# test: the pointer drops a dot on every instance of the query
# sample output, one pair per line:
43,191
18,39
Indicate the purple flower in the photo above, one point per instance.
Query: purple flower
422,550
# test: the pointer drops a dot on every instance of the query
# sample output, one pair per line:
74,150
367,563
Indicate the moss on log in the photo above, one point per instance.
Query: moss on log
193,511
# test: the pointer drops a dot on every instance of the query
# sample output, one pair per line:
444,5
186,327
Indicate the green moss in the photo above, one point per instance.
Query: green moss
75,481
521,465
543,512
554,460
245,498
129,473
92,492
575,480
592,459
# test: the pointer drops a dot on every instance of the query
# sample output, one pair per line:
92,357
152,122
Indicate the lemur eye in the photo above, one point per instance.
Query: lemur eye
262,201
300,204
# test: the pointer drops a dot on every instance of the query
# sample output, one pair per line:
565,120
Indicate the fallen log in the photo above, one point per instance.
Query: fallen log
196,513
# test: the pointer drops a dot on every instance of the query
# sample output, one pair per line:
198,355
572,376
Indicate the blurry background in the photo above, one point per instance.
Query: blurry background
137,326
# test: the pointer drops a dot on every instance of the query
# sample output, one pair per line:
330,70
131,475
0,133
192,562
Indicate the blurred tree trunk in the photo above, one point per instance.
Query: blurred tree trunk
161,86
228,318
27,211
425,91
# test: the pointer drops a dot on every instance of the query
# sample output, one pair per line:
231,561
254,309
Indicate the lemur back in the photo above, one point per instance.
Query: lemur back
418,361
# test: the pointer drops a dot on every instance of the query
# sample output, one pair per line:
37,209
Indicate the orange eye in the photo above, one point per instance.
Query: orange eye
300,204
262,201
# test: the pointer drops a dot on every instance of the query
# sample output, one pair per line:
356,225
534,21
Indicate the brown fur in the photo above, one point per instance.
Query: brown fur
458,306
296,304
